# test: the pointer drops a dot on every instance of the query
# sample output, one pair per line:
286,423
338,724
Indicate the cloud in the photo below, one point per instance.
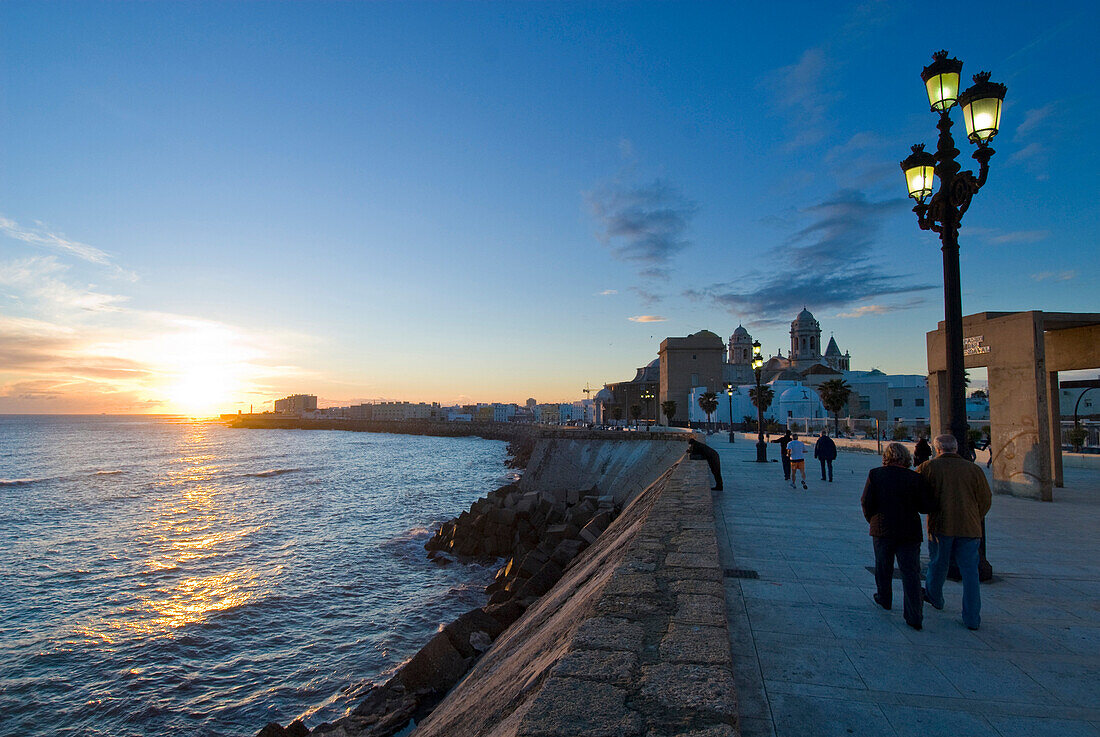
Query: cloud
827,263
880,309
799,93
647,297
39,278
44,238
647,318
1054,275
1033,119
643,224
607,292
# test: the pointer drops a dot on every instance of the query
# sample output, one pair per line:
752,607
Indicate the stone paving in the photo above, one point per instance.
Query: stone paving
813,655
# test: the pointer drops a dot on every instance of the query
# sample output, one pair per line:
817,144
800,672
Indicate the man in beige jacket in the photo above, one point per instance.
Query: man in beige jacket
960,498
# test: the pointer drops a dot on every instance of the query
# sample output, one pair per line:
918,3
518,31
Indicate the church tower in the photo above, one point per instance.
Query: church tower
805,339
740,347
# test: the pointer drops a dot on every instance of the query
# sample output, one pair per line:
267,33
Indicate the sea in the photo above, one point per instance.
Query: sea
161,576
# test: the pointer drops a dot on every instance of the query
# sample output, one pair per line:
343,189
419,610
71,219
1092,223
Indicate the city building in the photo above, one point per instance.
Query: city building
296,404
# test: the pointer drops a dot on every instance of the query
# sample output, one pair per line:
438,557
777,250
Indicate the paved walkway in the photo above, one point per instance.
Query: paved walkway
813,655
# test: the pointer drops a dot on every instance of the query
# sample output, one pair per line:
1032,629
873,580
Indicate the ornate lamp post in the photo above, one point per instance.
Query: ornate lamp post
761,446
729,396
647,395
981,111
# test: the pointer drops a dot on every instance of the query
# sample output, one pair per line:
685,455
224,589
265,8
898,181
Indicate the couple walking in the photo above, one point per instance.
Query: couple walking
792,453
956,496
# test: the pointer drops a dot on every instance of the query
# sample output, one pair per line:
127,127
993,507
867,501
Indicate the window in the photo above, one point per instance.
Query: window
865,403
897,402
918,402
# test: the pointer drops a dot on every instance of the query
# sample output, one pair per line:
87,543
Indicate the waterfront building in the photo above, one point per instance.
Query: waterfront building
296,404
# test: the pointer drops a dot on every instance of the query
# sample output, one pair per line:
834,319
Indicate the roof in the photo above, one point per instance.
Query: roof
740,331
833,349
805,316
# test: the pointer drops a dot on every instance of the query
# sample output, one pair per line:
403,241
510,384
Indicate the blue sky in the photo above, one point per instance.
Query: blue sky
219,204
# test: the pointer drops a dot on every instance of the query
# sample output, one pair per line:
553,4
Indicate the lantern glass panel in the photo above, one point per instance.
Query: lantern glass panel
943,91
918,180
983,119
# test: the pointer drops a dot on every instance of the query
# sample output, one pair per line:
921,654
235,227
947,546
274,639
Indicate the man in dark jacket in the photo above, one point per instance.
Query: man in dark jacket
825,451
960,498
702,451
783,454
892,501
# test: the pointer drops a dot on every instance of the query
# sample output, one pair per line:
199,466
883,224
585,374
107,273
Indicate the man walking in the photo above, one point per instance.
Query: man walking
960,498
825,451
796,451
783,458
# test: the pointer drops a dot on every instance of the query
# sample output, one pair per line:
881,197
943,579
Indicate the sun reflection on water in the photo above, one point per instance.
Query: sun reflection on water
191,537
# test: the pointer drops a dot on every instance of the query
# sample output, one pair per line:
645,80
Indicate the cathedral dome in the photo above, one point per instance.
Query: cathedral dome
805,317
740,332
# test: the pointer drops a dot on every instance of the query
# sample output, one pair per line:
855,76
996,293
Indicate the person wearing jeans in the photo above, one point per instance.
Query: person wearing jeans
960,498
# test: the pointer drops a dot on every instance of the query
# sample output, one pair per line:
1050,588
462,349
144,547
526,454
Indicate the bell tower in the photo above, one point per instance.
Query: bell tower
805,339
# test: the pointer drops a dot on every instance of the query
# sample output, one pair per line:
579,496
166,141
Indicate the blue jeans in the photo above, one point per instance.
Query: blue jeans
965,550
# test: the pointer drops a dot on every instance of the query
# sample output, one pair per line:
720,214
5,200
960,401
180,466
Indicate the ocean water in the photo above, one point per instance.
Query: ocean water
160,576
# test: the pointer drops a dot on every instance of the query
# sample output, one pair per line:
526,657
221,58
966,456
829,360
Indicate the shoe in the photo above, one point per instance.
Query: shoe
916,626
924,595
792,484
804,485
878,600
716,488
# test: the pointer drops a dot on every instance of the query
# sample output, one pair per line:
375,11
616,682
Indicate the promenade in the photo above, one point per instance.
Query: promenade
813,654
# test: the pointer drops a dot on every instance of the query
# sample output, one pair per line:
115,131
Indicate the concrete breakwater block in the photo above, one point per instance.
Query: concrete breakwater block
540,535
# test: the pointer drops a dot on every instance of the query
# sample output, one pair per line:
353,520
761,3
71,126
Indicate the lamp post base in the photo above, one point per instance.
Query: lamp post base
761,452
731,436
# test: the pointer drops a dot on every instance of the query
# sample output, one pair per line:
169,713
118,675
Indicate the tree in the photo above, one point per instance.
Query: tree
617,413
763,400
669,409
635,412
708,402
979,394
834,395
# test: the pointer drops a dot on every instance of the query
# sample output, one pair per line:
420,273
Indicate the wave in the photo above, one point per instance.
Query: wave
107,473
271,472
22,482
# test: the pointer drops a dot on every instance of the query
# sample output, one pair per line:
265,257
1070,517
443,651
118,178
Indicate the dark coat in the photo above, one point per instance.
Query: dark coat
825,449
893,500
922,452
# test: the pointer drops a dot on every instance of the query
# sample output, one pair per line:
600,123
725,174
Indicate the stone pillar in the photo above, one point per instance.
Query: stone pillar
938,403
1019,410
1054,403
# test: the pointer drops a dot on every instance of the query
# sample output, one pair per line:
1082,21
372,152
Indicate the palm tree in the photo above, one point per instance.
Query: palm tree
708,402
763,399
834,395
617,413
669,408
635,412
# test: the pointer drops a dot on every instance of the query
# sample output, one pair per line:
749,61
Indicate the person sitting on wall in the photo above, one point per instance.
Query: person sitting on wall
701,451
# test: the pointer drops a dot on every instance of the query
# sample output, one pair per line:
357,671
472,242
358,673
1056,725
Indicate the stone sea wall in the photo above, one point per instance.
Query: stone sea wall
611,582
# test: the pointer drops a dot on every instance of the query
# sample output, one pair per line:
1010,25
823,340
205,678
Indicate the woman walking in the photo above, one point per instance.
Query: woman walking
893,499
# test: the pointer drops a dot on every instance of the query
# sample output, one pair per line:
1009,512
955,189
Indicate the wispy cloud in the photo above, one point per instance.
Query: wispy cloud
39,278
880,309
43,237
644,224
608,292
1054,275
648,298
647,318
827,263
800,94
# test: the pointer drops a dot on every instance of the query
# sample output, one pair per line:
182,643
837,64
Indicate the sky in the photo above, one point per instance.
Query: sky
204,207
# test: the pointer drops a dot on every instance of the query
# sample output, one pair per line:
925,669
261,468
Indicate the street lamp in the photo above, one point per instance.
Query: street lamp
647,395
981,111
729,396
761,446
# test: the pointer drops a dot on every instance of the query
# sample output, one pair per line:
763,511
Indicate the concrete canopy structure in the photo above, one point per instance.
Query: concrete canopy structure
1023,352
